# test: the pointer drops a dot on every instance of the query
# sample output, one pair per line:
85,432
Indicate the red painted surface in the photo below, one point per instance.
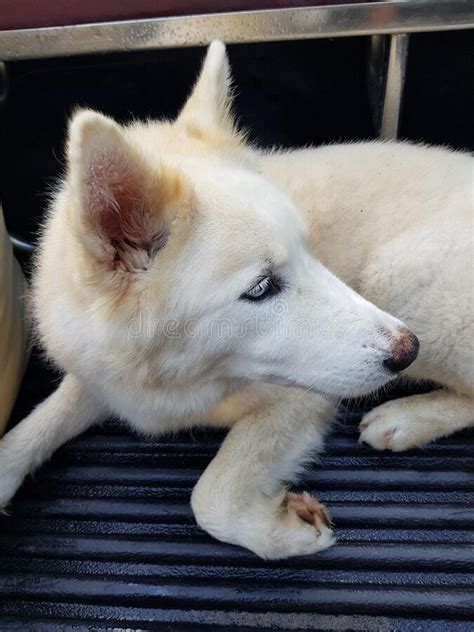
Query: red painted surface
22,14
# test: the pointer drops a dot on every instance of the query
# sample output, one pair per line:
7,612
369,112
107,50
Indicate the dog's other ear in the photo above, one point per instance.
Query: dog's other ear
208,110
121,205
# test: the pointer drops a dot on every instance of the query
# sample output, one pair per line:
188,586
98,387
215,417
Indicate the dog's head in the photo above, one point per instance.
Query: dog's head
182,262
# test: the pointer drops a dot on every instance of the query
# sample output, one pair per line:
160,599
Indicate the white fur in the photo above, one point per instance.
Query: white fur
158,230
395,221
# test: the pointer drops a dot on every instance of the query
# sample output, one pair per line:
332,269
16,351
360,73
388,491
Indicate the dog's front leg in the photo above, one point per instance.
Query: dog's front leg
412,422
66,413
241,497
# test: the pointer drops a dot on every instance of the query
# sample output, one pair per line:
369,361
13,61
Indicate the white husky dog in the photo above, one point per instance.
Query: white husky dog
181,280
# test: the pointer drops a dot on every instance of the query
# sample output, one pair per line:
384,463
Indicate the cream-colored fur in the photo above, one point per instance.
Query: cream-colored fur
395,222
141,295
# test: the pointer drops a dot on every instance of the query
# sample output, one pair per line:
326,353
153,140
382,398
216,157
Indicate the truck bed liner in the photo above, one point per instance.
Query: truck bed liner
103,538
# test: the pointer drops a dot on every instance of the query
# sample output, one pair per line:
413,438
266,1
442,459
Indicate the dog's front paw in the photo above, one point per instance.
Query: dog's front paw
391,427
10,480
274,527
9,483
300,526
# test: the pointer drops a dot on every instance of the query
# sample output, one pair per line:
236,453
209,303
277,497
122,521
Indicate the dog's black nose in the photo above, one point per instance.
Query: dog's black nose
404,351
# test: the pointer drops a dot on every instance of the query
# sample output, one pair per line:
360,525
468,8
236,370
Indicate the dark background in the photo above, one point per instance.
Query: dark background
290,94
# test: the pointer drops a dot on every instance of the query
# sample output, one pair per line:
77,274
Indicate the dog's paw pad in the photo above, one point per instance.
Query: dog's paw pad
305,508
387,432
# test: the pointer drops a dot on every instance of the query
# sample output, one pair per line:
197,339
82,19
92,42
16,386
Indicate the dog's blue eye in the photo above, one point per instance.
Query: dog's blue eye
264,288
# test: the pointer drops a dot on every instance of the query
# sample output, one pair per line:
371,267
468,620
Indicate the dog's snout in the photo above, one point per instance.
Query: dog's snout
404,351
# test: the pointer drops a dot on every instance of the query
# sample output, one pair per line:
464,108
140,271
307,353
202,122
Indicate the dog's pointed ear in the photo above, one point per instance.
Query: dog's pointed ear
121,204
208,109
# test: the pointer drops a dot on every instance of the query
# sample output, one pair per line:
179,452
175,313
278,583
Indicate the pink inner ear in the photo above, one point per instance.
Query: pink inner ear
115,196
122,212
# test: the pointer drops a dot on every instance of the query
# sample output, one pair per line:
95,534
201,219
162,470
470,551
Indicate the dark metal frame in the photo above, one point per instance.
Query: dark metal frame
388,24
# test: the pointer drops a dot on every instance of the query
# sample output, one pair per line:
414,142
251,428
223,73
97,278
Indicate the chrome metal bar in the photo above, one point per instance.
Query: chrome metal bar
394,84
3,82
20,244
376,75
245,26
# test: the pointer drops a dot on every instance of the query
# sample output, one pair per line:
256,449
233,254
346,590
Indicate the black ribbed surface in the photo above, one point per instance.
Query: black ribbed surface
103,537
